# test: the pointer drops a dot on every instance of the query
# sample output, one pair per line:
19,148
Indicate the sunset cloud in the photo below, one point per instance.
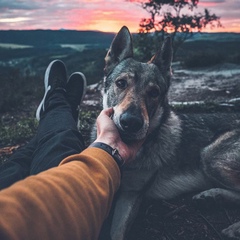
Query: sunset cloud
227,10
108,15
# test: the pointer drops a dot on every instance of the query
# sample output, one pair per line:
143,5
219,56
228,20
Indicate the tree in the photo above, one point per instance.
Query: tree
175,17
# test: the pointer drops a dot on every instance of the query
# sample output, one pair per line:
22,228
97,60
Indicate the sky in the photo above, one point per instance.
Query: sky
102,15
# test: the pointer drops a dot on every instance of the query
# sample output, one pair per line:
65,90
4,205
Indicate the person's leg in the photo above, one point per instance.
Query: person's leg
62,137
57,135
17,167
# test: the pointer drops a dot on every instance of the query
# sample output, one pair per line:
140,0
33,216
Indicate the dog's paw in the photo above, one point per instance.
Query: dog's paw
232,232
209,198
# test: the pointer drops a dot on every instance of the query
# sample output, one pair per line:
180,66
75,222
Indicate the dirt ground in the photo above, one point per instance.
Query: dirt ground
180,218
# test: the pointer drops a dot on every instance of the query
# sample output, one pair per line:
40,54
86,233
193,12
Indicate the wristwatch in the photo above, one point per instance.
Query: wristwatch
112,151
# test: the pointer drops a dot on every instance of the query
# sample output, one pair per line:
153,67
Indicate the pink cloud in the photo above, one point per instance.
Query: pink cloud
108,15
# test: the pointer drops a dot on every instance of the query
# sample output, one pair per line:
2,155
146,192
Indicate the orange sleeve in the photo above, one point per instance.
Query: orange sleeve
70,201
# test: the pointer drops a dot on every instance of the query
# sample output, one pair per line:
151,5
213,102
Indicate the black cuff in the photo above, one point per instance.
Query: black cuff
113,152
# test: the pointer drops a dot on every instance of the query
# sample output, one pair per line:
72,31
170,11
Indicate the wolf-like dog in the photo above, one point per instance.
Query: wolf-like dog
181,152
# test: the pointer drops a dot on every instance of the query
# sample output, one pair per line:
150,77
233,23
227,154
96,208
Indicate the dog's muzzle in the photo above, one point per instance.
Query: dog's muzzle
131,123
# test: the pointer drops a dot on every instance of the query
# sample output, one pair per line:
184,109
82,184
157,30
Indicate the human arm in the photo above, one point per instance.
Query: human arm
67,202
70,201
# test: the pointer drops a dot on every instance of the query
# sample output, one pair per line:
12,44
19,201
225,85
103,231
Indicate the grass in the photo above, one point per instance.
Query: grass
87,119
17,132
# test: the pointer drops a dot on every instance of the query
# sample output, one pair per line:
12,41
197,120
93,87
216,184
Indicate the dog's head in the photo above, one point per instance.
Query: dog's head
137,91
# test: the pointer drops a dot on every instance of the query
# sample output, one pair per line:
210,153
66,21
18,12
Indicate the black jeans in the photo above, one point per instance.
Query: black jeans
57,137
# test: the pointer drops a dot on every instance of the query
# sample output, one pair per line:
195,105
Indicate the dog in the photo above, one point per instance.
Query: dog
181,153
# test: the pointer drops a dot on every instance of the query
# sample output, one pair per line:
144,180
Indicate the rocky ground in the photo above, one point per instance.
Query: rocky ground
179,218
215,84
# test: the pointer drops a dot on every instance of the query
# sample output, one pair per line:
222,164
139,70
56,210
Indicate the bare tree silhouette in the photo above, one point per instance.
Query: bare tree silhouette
176,17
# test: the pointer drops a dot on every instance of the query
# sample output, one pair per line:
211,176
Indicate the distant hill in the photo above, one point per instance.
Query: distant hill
26,54
39,38
217,37
32,49
94,39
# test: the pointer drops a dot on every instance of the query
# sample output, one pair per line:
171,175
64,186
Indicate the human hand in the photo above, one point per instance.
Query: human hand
107,133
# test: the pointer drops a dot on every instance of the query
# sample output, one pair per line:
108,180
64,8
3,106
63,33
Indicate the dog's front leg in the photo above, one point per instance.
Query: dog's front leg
133,187
125,212
232,232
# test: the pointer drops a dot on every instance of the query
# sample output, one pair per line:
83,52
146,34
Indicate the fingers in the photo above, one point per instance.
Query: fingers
105,123
107,112
104,116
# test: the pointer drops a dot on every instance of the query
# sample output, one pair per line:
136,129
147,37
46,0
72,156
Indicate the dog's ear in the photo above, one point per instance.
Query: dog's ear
120,49
163,57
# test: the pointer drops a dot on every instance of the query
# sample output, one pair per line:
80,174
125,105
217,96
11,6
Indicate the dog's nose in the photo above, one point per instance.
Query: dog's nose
131,123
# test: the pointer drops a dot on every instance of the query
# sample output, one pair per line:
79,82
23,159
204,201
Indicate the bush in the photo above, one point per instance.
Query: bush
235,58
90,62
145,46
16,89
203,59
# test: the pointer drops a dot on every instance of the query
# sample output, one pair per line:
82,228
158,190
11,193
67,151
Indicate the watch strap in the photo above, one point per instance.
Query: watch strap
112,151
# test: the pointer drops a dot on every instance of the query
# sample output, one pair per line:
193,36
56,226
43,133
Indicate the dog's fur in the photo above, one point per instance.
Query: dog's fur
181,153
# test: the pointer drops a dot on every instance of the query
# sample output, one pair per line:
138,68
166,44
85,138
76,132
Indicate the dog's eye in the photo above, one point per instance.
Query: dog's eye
121,83
153,92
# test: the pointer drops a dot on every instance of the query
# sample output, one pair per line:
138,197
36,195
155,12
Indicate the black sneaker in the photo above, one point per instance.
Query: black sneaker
76,88
55,79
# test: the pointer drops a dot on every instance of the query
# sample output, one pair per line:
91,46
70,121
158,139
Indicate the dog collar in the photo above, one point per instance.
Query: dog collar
112,151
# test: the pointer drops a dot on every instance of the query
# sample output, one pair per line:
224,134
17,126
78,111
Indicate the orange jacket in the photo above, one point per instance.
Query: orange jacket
70,201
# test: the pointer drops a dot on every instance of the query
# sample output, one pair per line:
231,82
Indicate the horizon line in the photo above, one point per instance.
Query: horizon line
90,30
